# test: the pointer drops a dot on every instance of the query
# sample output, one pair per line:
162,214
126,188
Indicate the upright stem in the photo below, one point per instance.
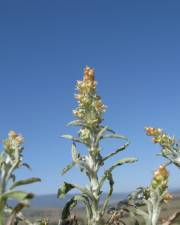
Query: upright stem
154,208
94,184
1,212
1,219
2,203
155,215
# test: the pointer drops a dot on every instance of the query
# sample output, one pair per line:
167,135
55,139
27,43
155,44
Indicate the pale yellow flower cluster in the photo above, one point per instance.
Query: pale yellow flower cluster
159,136
153,131
90,107
88,84
160,180
14,141
167,197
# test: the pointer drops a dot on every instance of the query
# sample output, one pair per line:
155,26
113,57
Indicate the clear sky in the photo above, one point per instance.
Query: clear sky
134,47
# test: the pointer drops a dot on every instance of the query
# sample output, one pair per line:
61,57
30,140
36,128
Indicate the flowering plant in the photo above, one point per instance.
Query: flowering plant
89,115
11,159
154,196
170,147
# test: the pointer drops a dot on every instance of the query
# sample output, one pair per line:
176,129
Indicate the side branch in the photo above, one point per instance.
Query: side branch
172,218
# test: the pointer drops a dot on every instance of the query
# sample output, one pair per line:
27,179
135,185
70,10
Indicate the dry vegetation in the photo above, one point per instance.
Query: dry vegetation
53,213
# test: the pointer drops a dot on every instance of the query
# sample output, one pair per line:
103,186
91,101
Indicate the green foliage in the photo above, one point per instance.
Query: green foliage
65,188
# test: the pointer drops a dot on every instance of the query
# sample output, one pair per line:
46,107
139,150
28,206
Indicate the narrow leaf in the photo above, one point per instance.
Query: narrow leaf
68,167
100,134
27,166
17,195
16,210
122,161
24,182
75,123
75,153
64,189
116,152
70,137
111,183
115,136
67,208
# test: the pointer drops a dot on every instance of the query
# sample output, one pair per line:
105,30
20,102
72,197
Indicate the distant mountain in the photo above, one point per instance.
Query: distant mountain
176,192
51,201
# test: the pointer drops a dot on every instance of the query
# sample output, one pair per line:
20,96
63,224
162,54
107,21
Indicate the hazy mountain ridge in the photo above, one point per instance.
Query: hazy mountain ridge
51,200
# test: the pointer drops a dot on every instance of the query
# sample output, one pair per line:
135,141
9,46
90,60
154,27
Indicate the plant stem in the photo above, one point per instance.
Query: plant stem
1,212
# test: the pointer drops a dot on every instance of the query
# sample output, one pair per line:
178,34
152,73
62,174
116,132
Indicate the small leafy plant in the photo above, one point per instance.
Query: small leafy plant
170,147
152,197
11,159
89,115
148,202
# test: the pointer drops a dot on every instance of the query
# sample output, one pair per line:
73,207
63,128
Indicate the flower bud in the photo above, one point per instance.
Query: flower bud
88,74
163,171
19,139
153,131
167,197
154,184
12,134
156,140
160,178
84,133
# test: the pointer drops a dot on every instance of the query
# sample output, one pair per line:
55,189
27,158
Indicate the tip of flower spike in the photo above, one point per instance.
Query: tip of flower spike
160,178
89,73
151,131
17,137
162,171
12,134
148,130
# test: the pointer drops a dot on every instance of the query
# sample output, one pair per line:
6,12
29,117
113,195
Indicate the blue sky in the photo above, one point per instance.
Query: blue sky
135,49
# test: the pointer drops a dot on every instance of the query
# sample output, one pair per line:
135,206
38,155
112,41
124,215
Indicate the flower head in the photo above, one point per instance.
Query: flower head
162,171
167,197
159,136
90,107
89,73
19,139
13,142
153,131
12,134
160,178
